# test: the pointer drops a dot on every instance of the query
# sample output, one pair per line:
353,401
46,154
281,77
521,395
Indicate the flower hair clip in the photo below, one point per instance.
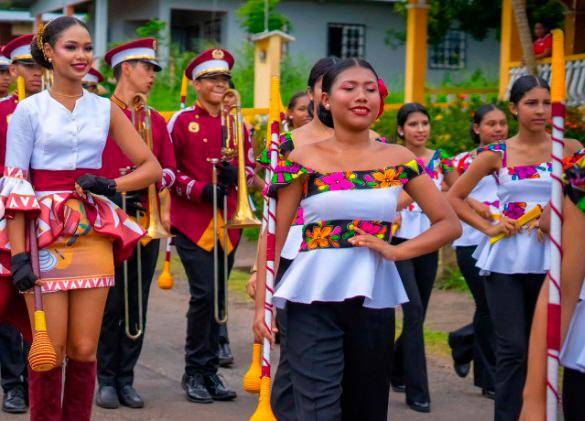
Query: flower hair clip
383,95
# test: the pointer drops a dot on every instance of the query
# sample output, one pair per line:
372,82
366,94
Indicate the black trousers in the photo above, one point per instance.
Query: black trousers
511,300
573,389
117,354
13,356
476,341
282,398
339,356
201,345
409,365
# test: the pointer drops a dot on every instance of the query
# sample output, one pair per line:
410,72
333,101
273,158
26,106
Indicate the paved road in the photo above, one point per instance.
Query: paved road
161,366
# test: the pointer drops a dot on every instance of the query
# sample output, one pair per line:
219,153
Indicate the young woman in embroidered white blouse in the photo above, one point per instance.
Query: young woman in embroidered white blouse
340,291
54,146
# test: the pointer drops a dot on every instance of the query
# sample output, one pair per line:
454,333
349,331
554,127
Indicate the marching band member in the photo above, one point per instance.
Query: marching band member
409,371
517,264
5,76
54,145
13,351
197,137
134,66
92,80
475,342
340,291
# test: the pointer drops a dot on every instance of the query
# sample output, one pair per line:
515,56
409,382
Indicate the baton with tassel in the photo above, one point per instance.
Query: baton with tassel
184,90
264,410
165,279
42,356
553,329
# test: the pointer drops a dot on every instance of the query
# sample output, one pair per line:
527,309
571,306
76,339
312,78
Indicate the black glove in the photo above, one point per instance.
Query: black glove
21,269
228,174
133,201
207,194
96,184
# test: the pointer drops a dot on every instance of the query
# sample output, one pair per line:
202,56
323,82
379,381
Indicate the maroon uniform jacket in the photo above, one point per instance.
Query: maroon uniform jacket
7,107
197,136
113,158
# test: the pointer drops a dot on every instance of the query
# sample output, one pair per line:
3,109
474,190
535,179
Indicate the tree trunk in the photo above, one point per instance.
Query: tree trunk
519,7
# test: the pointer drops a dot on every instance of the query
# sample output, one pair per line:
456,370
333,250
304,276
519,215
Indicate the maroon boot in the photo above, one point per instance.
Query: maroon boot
44,391
79,388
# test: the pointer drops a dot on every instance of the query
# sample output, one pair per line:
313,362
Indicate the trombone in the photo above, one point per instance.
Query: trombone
142,121
232,125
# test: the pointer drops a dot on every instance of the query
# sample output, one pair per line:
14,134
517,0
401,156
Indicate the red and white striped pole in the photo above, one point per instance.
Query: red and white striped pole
554,292
264,411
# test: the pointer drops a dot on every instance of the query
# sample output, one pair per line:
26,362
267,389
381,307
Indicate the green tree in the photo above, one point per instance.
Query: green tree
252,16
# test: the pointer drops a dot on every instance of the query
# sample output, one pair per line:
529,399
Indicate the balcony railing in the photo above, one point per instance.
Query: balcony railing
575,77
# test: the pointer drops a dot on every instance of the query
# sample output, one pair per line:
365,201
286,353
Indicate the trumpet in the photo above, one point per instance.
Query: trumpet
142,121
232,123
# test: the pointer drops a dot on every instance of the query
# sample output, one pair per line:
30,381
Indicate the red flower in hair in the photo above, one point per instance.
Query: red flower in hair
383,95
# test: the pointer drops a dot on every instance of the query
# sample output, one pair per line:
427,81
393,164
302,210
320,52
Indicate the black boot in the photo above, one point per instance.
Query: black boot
14,401
195,388
217,389
107,397
224,353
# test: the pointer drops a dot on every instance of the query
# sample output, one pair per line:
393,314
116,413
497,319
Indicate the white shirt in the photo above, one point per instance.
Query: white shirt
43,134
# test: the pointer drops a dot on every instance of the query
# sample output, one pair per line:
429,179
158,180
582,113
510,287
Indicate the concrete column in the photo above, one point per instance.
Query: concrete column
100,37
267,59
416,50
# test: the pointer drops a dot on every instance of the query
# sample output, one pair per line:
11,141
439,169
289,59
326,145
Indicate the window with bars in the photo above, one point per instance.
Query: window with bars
450,53
212,30
346,40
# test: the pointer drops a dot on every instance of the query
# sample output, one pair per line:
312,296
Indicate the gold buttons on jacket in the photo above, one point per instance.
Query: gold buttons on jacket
193,127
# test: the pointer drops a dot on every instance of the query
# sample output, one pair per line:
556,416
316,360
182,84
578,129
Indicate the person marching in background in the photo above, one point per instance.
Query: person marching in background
475,342
197,137
13,350
516,265
340,291
409,368
54,151
5,76
92,80
134,66
297,111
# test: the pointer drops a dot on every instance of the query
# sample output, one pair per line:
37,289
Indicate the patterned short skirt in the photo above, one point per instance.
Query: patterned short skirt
79,259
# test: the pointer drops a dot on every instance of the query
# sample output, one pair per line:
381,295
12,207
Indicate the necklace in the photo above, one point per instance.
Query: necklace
54,92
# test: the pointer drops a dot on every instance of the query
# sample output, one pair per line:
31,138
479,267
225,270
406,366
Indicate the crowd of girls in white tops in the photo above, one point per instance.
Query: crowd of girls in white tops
338,288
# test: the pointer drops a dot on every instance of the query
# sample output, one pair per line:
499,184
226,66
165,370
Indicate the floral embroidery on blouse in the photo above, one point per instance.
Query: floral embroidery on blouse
288,171
523,172
493,147
575,179
514,210
336,233
462,162
285,146
439,163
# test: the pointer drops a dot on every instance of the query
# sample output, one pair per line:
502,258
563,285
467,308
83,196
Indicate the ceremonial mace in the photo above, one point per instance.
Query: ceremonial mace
553,334
42,356
264,411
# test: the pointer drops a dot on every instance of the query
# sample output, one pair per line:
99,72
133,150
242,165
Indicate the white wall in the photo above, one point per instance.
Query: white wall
310,19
